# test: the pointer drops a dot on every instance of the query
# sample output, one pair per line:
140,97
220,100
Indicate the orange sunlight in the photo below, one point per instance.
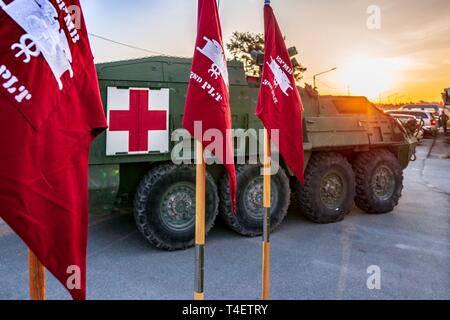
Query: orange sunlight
387,80
372,77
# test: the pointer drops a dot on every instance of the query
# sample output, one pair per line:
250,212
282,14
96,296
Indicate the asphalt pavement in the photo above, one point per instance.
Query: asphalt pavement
410,247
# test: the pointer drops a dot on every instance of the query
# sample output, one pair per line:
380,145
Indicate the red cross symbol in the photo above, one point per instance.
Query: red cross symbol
138,121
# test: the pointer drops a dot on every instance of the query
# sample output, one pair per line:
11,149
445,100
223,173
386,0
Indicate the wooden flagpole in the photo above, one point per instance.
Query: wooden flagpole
266,223
267,168
200,222
36,278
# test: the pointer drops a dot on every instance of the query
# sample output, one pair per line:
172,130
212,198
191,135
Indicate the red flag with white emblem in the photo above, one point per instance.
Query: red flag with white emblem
50,111
279,104
208,99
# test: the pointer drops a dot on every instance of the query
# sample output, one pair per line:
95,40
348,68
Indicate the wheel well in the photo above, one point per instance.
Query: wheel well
352,154
131,175
349,154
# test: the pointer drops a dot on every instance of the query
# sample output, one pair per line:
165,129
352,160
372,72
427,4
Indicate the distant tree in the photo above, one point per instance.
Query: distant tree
242,44
299,70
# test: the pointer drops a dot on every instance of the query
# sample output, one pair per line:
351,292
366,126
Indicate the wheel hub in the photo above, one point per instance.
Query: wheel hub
253,197
332,190
383,183
178,207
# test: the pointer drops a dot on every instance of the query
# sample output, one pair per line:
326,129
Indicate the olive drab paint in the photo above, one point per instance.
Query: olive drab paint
341,122
338,123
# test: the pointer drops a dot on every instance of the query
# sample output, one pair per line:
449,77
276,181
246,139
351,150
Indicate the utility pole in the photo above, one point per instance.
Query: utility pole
392,95
319,74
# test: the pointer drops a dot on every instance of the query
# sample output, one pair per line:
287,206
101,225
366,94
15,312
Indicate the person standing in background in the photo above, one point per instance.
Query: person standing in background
444,120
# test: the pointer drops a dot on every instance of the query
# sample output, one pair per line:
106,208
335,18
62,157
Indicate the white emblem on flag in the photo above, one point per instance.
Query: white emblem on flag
281,78
214,52
39,19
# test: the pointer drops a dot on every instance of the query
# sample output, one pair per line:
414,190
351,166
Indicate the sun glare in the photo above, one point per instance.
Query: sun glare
371,77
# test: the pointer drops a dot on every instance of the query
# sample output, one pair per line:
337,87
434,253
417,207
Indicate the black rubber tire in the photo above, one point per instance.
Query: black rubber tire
148,199
310,201
242,222
365,165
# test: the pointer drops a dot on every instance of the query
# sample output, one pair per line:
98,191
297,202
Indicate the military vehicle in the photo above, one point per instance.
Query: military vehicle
354,154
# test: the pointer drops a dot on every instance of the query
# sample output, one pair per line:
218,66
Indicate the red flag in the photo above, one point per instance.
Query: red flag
50,111
279,104
208,97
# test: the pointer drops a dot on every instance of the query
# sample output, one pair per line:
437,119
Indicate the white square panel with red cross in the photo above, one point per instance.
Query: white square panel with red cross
138,120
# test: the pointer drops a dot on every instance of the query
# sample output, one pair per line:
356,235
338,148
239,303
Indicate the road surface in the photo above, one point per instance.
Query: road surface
410,246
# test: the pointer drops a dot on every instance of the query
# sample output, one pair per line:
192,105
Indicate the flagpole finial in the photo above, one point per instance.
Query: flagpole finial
266,2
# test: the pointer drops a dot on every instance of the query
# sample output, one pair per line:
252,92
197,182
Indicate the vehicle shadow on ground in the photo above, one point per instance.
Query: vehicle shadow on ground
117,227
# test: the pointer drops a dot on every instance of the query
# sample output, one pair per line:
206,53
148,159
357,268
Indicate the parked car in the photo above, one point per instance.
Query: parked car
430,125
411,123
434,108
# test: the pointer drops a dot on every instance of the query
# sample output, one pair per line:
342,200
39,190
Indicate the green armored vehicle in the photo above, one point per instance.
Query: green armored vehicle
354,154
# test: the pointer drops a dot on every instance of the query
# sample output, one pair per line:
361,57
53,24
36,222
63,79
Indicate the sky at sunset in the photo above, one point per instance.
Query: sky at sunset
407,59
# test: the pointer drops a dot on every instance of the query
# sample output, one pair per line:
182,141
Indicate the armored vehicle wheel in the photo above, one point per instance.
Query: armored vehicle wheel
248,220
329,189
164,206
379,181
